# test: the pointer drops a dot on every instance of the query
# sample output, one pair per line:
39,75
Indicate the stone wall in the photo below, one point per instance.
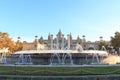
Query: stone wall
89,77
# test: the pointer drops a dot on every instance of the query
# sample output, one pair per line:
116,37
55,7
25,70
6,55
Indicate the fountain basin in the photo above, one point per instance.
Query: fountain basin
58,57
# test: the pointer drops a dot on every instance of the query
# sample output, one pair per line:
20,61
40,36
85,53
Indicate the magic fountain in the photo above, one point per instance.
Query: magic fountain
59,54
61,57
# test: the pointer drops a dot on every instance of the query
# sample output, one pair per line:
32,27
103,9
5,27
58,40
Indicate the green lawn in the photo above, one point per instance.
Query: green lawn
58,71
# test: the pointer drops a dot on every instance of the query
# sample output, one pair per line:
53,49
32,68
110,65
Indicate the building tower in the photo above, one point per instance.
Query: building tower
78,40
84,42
36,42
18,40
68,41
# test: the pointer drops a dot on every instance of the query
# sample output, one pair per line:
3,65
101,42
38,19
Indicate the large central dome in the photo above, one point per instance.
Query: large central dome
60,34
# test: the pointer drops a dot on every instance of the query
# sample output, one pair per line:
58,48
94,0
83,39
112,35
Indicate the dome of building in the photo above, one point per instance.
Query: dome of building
60,34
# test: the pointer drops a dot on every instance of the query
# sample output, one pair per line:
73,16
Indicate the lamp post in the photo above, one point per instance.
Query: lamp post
101,42
68,38
57,42
101,38
51,41
83,42
63,42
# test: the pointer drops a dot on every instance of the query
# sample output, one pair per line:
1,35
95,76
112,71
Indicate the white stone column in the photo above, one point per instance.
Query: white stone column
68,38
36,42
119,51
57,42
63,42
51,41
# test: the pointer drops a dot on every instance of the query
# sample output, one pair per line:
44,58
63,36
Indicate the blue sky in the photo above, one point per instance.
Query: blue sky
28,18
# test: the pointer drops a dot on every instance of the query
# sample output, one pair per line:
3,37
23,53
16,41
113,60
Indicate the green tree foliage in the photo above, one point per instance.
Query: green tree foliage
115,41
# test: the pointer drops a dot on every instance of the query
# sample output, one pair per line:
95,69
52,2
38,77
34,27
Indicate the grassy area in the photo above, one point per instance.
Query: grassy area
58,71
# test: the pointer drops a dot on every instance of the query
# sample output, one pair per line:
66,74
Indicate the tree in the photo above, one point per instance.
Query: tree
115,41
103,43
6,42
18,45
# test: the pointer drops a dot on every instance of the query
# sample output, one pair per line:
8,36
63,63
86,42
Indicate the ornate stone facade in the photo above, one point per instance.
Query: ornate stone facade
58,42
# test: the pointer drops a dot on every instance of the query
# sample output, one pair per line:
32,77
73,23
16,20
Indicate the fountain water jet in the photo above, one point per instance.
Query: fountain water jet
64,58
95,55
24,59
3,58
53,55
103,48
61,58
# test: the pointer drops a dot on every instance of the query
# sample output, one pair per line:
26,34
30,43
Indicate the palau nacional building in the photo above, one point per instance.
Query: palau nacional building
60,41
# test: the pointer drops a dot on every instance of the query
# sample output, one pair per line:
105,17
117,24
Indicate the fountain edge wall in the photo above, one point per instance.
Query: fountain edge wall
88,77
